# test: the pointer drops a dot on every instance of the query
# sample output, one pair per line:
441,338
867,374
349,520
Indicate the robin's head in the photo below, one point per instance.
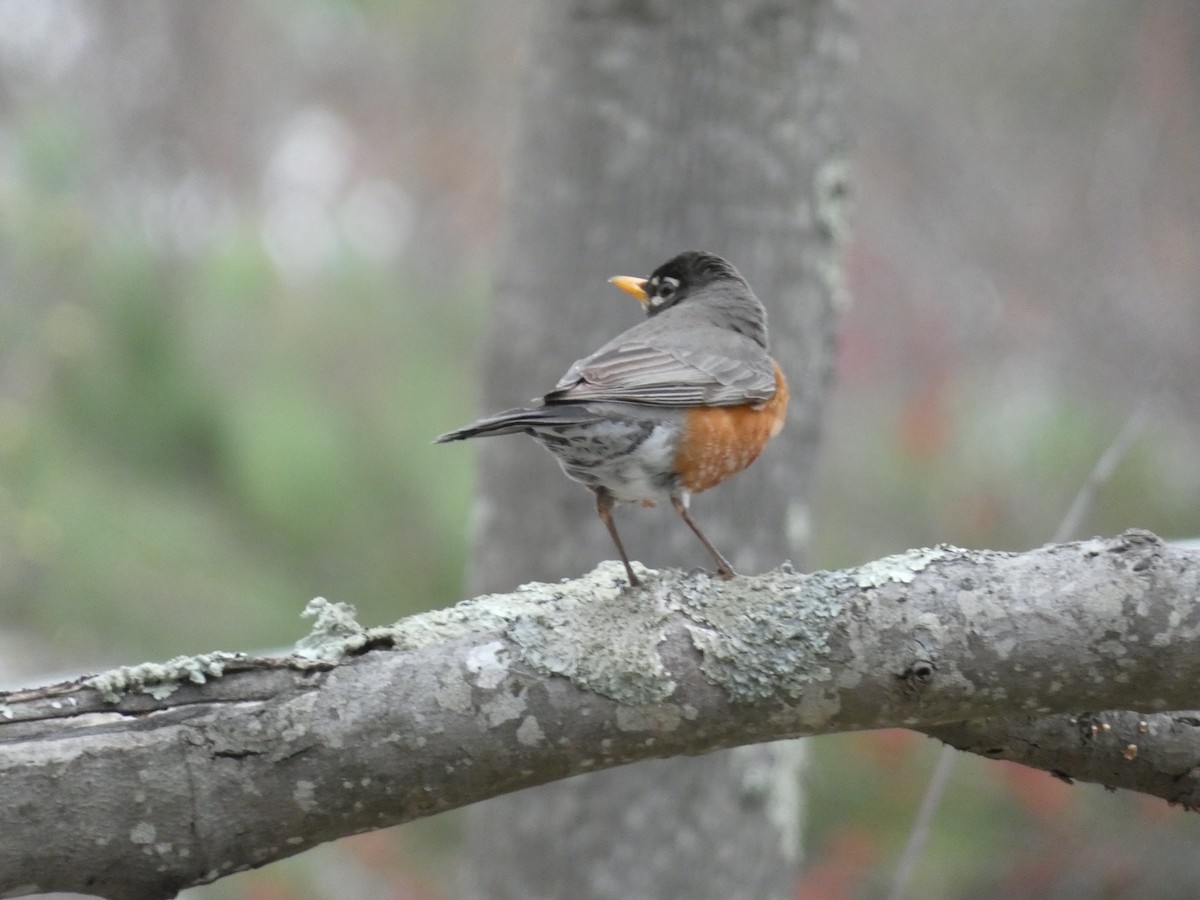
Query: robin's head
686,275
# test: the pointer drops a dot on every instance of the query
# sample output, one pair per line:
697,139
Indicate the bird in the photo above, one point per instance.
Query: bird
668,408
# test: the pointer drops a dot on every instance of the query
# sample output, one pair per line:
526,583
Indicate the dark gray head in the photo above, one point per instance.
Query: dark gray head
705,285
687,275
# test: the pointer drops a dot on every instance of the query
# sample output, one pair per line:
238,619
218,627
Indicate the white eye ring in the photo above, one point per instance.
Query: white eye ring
664,291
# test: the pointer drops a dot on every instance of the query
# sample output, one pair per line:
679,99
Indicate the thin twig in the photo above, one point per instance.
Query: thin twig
922,826
1102,472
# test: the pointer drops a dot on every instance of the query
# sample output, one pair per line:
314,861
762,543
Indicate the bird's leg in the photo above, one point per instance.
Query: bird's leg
604,507
724,569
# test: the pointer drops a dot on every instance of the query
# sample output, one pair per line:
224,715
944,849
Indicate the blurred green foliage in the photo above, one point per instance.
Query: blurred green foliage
191,448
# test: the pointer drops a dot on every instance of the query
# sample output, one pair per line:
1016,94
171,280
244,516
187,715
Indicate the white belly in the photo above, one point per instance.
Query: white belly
634,460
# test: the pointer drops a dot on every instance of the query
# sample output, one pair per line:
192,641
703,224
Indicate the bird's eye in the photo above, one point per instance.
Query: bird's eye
666,288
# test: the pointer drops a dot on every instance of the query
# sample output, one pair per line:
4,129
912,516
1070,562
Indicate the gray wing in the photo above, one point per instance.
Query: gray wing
729,370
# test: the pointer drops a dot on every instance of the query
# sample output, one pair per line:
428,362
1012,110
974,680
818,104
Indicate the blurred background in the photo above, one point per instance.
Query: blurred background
241,243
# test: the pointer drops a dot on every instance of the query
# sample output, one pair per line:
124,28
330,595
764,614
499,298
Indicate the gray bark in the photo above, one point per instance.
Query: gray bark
141,782
648,128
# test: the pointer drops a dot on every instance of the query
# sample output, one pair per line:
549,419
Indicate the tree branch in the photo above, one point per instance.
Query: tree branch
179,783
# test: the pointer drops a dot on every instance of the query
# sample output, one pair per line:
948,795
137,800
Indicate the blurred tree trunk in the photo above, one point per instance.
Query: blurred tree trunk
651,127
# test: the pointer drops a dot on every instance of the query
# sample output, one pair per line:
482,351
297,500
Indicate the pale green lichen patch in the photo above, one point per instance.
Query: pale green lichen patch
762,636
503,707
601,635
335,632
593,630
304,795
491,612
530,733
901,568
454,694
489,664
160,680
655,717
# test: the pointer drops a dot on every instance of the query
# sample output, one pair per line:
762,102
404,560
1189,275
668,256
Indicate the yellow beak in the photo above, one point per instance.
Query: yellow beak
631,285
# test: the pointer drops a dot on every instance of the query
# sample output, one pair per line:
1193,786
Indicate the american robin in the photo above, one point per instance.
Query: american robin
669,408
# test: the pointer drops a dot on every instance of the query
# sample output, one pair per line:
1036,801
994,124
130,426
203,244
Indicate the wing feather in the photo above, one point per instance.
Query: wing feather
684,356
668,376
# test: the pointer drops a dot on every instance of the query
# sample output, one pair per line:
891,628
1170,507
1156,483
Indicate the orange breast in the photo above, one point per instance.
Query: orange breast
718,442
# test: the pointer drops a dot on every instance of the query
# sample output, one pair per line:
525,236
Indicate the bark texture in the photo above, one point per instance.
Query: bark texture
146,780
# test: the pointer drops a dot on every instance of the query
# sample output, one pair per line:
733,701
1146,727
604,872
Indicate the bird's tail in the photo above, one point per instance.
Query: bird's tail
521,419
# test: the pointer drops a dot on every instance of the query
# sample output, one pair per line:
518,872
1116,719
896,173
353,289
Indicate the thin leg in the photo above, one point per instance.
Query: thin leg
604,507
724,569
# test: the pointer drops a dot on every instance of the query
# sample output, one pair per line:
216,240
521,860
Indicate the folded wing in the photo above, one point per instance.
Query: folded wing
634,372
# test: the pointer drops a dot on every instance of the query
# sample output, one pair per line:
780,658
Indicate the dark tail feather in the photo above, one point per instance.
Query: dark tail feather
521,419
